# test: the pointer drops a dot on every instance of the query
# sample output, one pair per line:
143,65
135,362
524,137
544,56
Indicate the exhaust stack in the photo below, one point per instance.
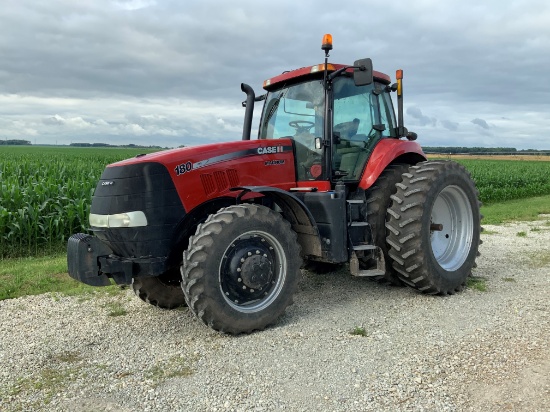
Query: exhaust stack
249,104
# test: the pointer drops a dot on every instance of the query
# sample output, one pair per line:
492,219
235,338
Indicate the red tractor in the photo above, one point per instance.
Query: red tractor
332,178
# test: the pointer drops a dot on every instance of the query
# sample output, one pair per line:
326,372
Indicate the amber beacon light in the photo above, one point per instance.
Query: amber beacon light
327,42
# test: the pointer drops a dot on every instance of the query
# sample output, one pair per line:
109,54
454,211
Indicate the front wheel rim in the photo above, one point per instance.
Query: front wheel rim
451,245
252,271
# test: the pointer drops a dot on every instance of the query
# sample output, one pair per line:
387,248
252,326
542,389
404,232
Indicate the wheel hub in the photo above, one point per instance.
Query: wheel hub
248,270
256,271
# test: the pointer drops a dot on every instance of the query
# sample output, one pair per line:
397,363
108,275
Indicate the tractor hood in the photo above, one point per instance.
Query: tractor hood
201,173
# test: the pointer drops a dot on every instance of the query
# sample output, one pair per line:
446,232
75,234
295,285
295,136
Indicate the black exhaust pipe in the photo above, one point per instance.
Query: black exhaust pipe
249,104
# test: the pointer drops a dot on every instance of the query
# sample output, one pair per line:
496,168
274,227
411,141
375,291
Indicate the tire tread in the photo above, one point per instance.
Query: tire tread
404,226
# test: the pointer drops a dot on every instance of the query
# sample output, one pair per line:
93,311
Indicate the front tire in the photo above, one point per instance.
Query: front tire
163,291
241,269
434,227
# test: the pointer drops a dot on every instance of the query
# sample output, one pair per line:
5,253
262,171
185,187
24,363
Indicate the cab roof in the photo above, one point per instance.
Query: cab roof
313,71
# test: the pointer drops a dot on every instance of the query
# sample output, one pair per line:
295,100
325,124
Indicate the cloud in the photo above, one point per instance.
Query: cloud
54,120
447,124
134,4
416,113
74,122
160,70
481,123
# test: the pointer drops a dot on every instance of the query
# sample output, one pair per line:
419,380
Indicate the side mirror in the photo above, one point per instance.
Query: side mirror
412,136
363,76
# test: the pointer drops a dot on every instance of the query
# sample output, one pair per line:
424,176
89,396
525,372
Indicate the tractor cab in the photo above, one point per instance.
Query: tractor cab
335,114
334,128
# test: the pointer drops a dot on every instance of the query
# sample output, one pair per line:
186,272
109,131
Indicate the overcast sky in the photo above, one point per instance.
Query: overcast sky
168,72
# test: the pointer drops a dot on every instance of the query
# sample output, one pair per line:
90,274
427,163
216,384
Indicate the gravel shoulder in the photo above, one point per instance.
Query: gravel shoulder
473,351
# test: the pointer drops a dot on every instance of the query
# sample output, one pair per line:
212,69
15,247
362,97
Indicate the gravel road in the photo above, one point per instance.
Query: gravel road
475,351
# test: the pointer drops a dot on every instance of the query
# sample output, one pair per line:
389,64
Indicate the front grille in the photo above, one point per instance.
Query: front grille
147,187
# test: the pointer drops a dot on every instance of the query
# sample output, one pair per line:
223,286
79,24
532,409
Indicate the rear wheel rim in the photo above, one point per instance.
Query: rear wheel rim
451,246
252,271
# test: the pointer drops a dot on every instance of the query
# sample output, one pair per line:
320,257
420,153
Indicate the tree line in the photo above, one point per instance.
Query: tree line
14,142
131,145
478,150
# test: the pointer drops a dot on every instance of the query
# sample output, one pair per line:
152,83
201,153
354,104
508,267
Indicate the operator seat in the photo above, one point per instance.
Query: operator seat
350,153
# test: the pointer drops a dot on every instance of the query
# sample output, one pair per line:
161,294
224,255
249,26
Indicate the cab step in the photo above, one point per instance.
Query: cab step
364,246
369,273
380,265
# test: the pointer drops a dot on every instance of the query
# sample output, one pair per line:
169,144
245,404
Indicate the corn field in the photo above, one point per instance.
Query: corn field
45,192
45,195
502,180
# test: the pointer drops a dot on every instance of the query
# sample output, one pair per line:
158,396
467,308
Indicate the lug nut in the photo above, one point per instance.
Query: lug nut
239,280
252,290
249,253
244,287
257,252
239,269
242,260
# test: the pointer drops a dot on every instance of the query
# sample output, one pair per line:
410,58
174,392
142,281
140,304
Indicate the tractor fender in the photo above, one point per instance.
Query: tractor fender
295,211
390,151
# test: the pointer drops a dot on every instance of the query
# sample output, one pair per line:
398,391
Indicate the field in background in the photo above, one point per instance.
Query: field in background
458,157
503,180
45,192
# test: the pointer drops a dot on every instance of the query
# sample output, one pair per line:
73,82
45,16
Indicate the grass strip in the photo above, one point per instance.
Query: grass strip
516,210
37,275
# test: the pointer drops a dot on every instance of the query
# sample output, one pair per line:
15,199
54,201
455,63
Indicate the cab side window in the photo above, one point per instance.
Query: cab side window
387,115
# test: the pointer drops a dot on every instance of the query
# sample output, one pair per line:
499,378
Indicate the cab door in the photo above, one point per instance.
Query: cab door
361,118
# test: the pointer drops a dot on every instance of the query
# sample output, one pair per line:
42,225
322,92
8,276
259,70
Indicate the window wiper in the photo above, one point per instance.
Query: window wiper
275,105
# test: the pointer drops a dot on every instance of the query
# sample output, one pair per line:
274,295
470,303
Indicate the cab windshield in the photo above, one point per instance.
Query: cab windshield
297,112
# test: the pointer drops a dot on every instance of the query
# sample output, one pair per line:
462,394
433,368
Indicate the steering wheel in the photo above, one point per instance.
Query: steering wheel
301,125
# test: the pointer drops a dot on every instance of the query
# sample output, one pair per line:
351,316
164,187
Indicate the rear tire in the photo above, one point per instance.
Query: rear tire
433,259
378,201
241,269
163,291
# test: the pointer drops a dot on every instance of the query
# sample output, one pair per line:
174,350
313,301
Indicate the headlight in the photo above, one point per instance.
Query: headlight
128,219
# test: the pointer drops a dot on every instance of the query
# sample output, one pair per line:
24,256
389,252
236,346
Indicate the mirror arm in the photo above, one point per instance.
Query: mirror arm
339,71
